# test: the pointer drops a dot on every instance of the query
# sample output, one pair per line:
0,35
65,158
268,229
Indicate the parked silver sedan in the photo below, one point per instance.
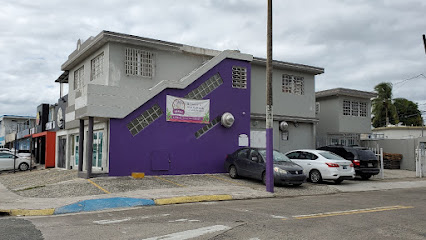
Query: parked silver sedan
7,159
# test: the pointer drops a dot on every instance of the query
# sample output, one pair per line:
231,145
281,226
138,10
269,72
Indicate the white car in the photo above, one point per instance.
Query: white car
6,162
5,150
323,165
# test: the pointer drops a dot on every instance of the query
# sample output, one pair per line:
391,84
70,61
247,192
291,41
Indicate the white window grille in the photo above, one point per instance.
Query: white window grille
139,63
206,87
78,78
97,66
145,119
293,84
346,107
355,108
239,77
363,109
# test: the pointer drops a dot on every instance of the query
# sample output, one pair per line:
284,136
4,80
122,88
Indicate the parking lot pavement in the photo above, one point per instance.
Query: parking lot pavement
57,183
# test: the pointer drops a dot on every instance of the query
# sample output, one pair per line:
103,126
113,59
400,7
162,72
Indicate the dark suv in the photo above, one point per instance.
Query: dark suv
364,160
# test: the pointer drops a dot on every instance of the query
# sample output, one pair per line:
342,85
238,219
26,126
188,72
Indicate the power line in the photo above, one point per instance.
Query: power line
408,79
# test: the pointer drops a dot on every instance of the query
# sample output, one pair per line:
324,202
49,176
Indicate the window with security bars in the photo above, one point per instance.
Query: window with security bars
293,84
239,77
139,63
355,108
346,107
78,77
207,127
145,119
97,66
363,109
205,88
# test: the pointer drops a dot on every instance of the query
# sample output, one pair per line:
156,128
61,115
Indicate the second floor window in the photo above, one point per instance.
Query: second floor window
139,63
293,84
354,108
78,78
346,107
97,66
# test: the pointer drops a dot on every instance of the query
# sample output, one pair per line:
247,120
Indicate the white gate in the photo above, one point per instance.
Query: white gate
420,162
379,154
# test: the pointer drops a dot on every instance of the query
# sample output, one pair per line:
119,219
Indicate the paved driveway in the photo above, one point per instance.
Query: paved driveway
56,183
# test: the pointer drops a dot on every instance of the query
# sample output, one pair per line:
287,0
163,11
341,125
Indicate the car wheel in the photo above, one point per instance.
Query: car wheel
233,172
23,167
365,177
315,176
338,181
264,178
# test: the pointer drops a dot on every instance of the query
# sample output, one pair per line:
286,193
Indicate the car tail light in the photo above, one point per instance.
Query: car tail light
352,165
332,164
357,162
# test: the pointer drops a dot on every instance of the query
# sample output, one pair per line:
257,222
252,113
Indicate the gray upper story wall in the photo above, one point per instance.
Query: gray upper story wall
331,115
112,94
328,116
285,104
115,94
354,124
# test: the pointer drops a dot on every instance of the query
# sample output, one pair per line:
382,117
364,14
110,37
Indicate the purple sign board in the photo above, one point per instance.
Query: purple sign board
167,147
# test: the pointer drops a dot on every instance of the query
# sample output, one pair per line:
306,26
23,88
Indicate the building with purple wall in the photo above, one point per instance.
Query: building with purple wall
118,115
165,147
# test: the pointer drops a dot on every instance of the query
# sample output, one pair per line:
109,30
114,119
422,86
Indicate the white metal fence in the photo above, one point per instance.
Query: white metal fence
379,154
420,162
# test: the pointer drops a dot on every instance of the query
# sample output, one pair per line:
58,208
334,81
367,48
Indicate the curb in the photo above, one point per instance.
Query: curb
111,203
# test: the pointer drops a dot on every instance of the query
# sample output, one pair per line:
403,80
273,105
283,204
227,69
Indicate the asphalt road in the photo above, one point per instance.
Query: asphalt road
392,214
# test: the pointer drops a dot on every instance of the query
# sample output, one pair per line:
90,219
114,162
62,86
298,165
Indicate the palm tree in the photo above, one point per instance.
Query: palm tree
383,109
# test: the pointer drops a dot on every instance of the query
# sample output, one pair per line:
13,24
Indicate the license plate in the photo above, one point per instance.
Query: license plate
345,167
370,165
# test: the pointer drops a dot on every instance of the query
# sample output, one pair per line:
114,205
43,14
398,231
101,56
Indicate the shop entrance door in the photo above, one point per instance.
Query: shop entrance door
61,152
97,150
74,151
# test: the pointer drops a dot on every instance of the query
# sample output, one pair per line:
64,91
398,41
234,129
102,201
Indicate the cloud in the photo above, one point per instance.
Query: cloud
359,43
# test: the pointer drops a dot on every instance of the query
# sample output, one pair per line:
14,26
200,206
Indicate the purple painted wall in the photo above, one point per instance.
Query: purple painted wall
173,145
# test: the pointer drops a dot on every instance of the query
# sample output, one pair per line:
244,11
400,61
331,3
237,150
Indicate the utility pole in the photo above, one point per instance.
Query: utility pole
269,175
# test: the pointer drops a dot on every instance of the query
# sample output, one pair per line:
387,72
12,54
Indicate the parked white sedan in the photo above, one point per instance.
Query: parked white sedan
323,165
6,162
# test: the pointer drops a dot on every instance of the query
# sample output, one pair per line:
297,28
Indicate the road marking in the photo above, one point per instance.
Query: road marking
96,185
184,220
169,181
225,180
280,217
102,222
191,233
348,212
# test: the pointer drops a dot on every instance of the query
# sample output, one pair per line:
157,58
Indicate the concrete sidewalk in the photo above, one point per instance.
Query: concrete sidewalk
13,204
156,190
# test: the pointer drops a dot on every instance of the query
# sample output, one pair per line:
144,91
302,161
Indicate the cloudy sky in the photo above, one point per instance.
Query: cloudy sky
359,43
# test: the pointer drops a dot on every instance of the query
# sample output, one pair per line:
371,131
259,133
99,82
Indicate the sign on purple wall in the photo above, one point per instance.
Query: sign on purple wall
187,110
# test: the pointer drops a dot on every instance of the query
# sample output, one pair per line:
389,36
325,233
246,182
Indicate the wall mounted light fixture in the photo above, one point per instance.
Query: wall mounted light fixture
227,120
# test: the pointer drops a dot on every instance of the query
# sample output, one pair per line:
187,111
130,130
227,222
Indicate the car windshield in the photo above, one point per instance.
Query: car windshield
278,157
331,156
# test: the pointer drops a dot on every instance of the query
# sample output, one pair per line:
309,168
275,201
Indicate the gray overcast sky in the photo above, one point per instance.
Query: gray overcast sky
359,43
